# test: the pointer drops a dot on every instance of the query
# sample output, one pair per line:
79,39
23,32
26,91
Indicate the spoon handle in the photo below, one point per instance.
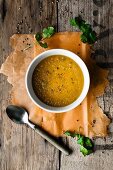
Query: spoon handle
52,140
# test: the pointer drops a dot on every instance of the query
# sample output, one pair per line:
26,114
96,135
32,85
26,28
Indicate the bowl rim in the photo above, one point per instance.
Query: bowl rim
37,60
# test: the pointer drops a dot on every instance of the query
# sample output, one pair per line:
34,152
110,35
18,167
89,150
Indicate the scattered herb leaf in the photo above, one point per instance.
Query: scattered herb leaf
86,144
88,35
85,151
43,44
73,22
80,140
46,33
84,38
70,134
38,37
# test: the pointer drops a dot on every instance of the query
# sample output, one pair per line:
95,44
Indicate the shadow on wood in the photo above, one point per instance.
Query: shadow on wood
103,147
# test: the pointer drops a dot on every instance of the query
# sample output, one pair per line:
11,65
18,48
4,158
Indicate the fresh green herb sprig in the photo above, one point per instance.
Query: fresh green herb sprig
46,33
88,35
86,144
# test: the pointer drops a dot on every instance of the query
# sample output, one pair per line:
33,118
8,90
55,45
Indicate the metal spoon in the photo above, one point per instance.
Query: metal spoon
20,116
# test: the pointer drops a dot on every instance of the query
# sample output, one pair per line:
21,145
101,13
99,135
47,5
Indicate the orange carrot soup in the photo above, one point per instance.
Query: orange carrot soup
57,81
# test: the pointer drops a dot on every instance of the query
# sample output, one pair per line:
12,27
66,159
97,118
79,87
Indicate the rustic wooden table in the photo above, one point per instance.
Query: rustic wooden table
20,147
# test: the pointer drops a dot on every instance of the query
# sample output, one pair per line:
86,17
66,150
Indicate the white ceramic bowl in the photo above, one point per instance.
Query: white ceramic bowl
38,59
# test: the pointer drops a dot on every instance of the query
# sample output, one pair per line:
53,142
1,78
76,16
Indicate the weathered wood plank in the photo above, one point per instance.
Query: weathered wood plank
20,147
97,13
100,15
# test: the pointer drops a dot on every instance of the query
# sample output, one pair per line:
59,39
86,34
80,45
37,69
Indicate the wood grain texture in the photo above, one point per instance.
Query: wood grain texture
20,147
96,13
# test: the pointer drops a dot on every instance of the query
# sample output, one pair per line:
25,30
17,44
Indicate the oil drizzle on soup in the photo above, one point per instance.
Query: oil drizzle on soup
57,81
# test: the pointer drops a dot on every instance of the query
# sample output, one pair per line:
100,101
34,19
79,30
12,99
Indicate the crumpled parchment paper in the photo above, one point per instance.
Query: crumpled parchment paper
88,118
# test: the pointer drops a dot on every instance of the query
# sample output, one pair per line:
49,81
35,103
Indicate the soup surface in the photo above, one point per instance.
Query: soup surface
57,81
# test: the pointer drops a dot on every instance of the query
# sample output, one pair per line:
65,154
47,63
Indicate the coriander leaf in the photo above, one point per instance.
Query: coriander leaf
92,36
88,143
85,28
85,151
88,35
79,21
44,45
81,140
72,22
68,133
48,32
78,136
38,36
84,38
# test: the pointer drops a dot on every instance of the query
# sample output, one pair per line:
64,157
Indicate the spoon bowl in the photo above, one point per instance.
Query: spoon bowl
17,114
